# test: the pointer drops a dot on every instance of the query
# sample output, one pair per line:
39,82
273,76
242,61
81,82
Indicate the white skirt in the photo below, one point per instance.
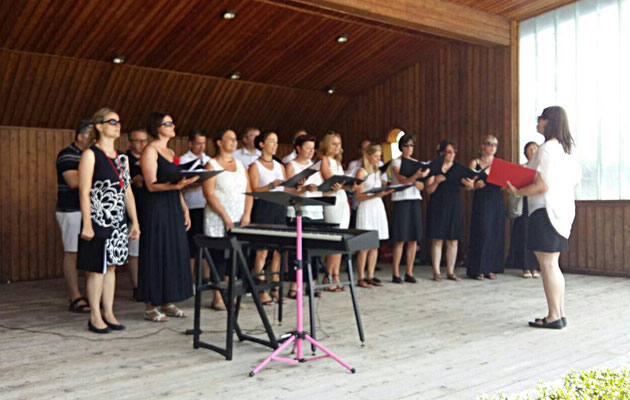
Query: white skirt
340,212
371,216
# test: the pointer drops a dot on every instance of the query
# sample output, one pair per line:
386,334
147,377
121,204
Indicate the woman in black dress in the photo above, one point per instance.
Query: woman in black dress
105,195
519,256
487,225
164,264
444,213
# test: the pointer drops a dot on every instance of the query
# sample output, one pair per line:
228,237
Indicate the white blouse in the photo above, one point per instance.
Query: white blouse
562,173
411,193
230,190
312,212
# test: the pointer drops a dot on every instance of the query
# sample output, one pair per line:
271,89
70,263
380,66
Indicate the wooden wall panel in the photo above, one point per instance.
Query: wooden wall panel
56,92
517,10
461,92
30,242
600,239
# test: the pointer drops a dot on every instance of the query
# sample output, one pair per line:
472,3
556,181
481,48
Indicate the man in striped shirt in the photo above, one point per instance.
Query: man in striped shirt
68,212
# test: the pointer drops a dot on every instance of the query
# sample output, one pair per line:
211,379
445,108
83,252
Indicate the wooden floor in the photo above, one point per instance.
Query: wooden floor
425,341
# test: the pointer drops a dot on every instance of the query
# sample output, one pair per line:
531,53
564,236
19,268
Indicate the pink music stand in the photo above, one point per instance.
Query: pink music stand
299,335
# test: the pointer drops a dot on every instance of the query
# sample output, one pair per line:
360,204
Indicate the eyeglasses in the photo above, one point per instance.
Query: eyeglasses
112,122
408,145
490,144
539,118
167,123
450,152
140,140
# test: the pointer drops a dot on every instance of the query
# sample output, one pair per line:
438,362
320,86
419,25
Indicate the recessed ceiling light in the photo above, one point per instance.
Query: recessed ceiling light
342,39
330,89
229,14
235,75
118,60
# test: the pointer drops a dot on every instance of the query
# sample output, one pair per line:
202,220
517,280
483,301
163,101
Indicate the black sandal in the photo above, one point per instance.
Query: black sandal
79,308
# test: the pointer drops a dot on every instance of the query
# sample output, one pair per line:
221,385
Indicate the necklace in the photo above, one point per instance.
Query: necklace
266,160
117,171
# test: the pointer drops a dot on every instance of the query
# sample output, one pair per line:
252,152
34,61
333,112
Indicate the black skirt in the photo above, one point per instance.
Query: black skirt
407,221
265,212
542,236
196,228
519,256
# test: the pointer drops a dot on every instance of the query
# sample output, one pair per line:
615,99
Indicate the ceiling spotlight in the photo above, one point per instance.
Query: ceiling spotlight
342,39
118,60
330,89
229,14
235,75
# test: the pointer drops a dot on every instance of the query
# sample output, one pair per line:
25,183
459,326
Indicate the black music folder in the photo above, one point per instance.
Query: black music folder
464,172
409,167
203,174
342,179
396,188
305,174
91,255
384,167
289,199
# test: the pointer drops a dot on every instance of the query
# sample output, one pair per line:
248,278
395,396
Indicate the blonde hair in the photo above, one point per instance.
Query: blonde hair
486,139
365,163
97,118
326,143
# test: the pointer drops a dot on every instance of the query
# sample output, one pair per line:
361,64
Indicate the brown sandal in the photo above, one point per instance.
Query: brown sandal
364,283
326,281
437,277
453,277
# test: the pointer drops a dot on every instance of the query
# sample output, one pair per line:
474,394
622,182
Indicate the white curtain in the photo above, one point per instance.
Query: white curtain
578,57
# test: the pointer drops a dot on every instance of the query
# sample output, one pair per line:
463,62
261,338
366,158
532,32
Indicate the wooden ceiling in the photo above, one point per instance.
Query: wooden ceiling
267,42
517,10
55,56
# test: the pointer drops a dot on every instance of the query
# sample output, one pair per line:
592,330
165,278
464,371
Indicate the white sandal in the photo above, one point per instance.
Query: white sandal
158,317
177,313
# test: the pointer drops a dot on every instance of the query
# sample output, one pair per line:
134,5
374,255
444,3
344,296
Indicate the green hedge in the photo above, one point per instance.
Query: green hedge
600,384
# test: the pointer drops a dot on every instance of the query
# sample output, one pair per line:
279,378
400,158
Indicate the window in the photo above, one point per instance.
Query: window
578,57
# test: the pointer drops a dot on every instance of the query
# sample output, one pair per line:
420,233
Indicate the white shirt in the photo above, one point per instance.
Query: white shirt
289,157
230,191
194,197
561,172
411,193
312,212
246,157
353,168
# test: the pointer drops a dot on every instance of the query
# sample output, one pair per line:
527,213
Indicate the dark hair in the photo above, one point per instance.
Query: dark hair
527,145
219,136
444,144
299,142
558,127
262,137
131,132
406,138
295,137
84,126
154,122
192,135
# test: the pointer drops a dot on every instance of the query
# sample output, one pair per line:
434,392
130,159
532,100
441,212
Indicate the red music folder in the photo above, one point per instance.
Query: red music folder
503,171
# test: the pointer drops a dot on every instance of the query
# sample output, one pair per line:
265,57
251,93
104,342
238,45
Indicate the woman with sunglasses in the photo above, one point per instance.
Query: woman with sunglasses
407,210
552,208
164,263
487,226
106,199
444,213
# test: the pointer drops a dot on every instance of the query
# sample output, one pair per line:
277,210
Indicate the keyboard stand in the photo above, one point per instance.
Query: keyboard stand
230,291
317,257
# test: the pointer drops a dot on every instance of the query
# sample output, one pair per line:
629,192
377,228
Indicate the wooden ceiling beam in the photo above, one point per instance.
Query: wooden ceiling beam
436,17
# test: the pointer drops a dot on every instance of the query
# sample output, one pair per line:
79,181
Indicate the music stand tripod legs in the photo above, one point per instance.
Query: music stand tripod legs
298,337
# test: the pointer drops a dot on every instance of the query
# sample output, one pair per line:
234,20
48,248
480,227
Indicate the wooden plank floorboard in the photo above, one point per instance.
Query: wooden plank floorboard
448,340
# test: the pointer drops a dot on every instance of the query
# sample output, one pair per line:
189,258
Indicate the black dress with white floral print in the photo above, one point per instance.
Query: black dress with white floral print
107,197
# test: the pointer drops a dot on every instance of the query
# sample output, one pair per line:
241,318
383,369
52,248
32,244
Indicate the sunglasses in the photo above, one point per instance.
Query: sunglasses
168,123
539,118
490,144
112,122
408,145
